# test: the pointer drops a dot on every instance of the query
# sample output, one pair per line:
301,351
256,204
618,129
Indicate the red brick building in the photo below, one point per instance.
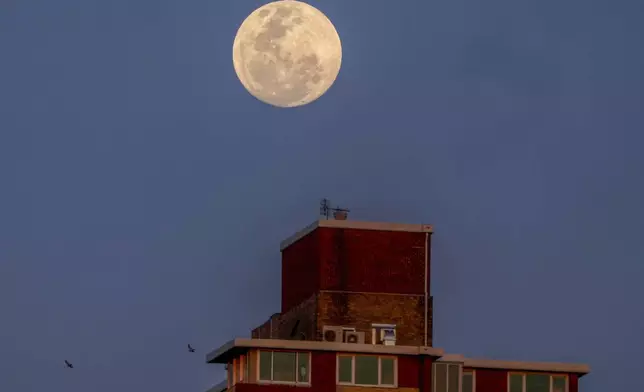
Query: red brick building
356,316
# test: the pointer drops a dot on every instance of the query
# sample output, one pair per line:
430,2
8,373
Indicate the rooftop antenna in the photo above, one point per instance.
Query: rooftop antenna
326,209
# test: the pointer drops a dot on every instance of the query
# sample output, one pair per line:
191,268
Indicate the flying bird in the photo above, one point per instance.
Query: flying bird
69,365
192,350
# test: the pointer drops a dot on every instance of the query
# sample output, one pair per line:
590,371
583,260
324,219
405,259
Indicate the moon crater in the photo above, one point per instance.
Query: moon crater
287,53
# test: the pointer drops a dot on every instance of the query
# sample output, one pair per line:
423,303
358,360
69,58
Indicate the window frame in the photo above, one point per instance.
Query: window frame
353,370
297,357
550,375
473,371
447,364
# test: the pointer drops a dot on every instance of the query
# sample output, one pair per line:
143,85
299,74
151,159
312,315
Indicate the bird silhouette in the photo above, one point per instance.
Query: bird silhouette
192,350
69,365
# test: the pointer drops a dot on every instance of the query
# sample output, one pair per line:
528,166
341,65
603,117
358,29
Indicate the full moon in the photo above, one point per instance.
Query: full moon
287,53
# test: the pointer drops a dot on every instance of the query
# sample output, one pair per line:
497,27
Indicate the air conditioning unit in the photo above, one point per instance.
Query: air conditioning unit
388,336
383,334
354,337
332,334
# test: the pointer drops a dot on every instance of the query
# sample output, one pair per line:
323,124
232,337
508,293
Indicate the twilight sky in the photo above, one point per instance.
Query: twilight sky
143,192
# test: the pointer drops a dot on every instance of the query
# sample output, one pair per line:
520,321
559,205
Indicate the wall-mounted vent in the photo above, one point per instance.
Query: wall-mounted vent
332,334
354,337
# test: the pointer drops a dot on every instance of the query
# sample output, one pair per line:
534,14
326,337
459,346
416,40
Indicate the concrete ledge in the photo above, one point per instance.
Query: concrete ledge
359,225
237,346
553,367
452,358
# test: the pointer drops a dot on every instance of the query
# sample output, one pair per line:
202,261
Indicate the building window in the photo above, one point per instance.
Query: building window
367,370
284,367
446,377
537,382
468,381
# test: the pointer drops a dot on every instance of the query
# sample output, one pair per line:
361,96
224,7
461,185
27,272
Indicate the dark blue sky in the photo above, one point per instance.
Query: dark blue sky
143,192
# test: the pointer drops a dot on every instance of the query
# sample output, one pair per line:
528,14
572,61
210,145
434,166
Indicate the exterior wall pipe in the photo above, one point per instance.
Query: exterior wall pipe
426,282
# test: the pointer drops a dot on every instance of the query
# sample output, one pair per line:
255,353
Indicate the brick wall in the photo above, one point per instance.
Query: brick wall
573,383
292,324
491,380
323,372
425,374
409,375
371,261
264,330
356,271
300,271
360,310
353,260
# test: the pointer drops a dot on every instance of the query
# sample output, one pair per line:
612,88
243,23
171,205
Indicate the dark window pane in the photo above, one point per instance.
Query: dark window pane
440,377
453,378
366,370
265,358
284,366
387,369
516,383
468,382
303,367
537,383
345,373
559,384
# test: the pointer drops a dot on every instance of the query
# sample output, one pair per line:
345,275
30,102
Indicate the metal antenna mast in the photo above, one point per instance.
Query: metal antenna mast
326,209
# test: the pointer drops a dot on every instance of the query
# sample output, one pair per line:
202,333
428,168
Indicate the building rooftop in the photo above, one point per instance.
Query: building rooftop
368,296
359,225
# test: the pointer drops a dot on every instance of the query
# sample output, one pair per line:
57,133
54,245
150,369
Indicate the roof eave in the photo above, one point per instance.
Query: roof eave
553,367
233,347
